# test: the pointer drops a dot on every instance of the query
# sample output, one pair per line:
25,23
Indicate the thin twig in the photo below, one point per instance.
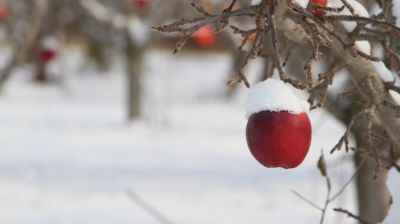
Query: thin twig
148,207
351,215
343,188
306,200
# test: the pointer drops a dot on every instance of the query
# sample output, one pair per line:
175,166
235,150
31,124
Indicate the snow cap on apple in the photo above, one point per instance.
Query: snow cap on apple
274,95
278,130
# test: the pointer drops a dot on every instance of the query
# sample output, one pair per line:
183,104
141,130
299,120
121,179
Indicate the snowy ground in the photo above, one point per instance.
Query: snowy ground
68,156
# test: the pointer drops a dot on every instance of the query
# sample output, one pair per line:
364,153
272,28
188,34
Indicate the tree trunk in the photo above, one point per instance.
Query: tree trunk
135,65
374,198
40,73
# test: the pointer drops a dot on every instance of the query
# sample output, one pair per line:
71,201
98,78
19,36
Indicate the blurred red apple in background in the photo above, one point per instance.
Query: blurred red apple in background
205,36
251,38
319,12
48,49
3,11
47,55
142,4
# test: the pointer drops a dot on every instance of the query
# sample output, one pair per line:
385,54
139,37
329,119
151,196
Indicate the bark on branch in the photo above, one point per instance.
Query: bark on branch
360,70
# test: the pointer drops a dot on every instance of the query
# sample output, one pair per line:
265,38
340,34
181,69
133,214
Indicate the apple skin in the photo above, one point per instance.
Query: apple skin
319,12
279,139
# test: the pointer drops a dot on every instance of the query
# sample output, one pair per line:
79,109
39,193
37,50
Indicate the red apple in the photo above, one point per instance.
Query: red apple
47,55
3,11
142,4
319,12
205,36
279,139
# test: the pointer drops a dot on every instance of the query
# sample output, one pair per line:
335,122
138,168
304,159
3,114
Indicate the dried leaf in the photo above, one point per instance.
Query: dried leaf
322,165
